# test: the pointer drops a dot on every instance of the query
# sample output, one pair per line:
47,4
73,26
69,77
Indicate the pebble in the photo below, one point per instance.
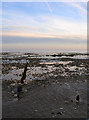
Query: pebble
66,102
52,112
12,92
53,83
54,116
55,99
59,113
15,99
60,83
71,100
43,85
77,98
12,84
25,83
35,110
25,90
15,95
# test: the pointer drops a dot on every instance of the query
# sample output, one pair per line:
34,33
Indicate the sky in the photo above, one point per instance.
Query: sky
44,25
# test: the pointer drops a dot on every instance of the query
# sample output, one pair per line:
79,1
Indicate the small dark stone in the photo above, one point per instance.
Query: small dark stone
59,113
52,113
77,98
71,100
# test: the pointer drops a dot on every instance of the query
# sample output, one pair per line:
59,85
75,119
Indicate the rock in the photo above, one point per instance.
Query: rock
20,74
43,85
60,113
12,92
77,98
55,99
54,83
16,80
25,83
15,95
52,112
12,84
66,102
25,90
60,83
35,110
15,99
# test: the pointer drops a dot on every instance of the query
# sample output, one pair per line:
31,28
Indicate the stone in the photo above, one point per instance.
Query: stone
59,113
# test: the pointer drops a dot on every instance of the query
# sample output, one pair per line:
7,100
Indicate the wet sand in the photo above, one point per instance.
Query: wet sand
52,97
52,101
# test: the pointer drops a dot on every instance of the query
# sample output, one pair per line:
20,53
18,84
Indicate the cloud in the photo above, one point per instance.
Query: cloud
48,27
49,8
36,35
79,7
42,25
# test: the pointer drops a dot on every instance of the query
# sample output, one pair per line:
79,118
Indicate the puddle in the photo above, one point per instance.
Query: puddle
14,61
36,70
10,76
76,57
56,62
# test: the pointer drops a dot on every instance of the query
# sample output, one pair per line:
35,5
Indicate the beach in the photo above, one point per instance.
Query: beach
51,85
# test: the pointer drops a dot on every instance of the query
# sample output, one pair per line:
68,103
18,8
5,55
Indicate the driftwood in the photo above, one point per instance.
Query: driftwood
20,85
